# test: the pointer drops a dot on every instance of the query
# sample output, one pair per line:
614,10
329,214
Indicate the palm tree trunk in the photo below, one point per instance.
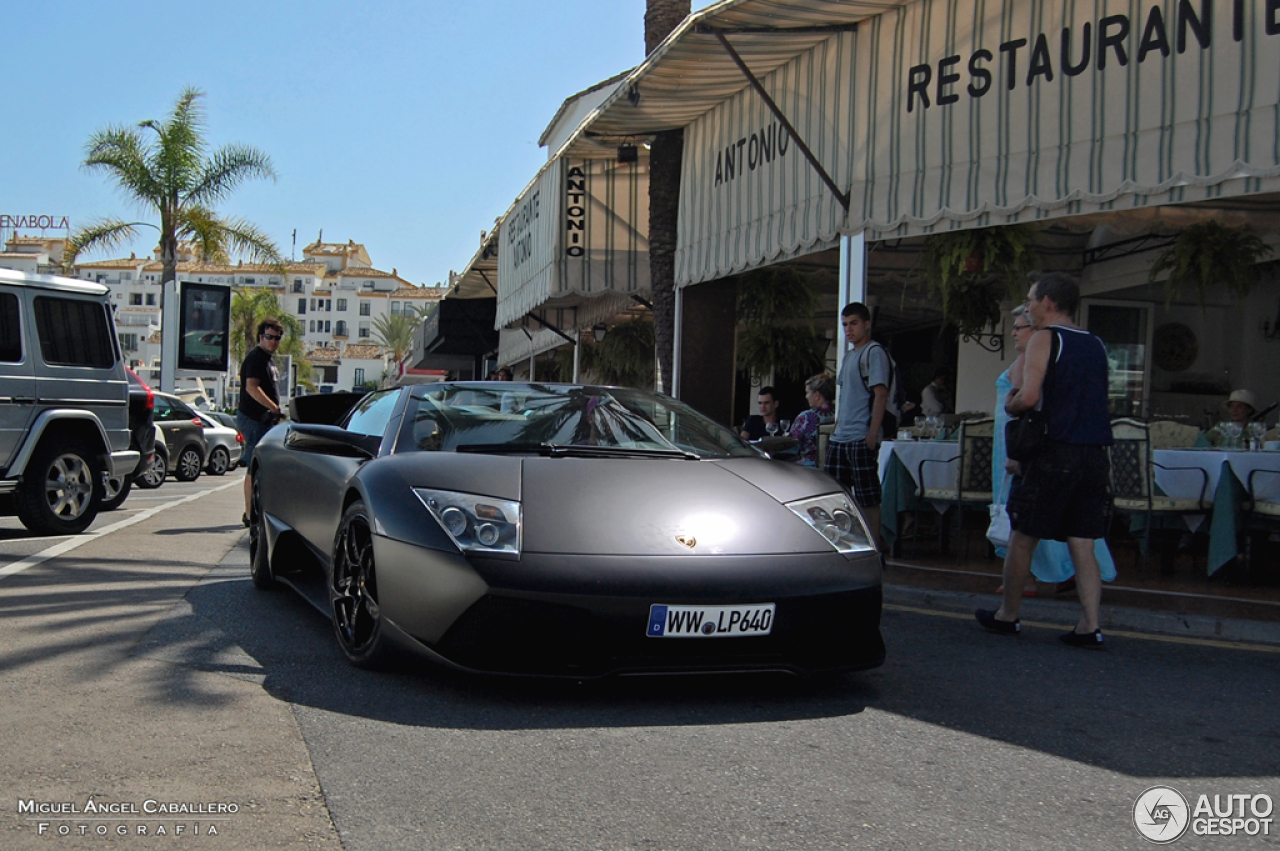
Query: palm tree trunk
660,18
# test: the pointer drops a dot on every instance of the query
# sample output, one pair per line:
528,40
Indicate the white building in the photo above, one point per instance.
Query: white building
335,292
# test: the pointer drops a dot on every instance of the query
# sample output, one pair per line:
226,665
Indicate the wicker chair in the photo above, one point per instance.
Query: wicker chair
1133,480
972,488
1166,434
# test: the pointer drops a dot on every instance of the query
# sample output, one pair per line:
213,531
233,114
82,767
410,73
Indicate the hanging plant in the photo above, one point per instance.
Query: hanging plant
977,271
776,307
625,356
1207,255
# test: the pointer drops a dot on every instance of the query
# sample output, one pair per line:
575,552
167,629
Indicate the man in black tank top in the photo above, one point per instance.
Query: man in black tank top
1064,493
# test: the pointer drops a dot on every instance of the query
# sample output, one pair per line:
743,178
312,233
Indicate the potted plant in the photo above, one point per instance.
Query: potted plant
1210,253
776,307
977,271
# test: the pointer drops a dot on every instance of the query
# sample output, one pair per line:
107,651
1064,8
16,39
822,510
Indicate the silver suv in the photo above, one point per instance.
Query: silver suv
64,401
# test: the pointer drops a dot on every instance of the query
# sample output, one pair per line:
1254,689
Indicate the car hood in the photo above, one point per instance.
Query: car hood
666,507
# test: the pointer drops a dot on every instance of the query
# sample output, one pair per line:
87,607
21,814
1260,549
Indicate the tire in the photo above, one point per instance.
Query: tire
353,592
219,461
189,465
61,490
259,563
115,491
154,475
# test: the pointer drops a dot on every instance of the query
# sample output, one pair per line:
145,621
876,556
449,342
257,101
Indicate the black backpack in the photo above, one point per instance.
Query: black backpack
897,396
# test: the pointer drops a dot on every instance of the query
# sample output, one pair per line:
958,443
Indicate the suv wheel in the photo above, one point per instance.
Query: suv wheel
189,464
58,495
115,491
153,476
219,461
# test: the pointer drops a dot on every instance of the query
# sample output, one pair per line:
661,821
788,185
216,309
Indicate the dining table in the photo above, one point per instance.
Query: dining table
1227,470
900,472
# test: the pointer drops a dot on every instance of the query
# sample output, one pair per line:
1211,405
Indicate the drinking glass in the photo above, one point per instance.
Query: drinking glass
772,428
1232,432
1256,431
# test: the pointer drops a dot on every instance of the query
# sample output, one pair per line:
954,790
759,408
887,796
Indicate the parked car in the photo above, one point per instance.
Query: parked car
153,475
561,530
183,437
226,445
228,420
142,433
64,401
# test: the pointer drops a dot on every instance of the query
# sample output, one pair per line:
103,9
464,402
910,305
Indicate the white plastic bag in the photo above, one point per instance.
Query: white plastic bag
998,530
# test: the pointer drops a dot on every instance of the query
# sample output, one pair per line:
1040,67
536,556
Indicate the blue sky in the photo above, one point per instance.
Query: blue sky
408,126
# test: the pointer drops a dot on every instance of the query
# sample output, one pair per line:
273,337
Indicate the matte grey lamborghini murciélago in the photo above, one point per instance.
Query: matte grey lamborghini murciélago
561,530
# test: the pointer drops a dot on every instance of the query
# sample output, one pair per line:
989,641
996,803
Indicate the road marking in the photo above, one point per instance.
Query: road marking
1145,636
79,540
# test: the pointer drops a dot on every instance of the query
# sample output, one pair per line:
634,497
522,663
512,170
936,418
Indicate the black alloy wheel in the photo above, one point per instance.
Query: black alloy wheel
353,591
154,475
61,489
189,464
219,461
259,560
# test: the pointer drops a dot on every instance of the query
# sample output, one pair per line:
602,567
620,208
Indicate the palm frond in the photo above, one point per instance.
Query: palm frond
226,169
99,235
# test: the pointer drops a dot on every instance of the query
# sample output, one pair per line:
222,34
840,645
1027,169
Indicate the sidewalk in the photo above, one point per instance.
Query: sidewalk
1180,605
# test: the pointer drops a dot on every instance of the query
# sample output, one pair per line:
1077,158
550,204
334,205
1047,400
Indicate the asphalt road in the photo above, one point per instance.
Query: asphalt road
143,666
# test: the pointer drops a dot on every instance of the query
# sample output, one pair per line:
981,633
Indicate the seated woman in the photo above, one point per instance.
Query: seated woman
819,391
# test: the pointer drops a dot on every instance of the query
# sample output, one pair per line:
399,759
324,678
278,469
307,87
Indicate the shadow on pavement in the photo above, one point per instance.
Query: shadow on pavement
1145,708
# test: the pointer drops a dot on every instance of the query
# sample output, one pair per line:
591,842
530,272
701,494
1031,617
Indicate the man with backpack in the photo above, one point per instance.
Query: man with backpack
866,376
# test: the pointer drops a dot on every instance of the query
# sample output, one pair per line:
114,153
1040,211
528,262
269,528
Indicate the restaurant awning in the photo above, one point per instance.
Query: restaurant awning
939,113
538,332
577,233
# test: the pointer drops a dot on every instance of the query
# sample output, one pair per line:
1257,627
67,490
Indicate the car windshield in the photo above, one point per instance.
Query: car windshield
504,417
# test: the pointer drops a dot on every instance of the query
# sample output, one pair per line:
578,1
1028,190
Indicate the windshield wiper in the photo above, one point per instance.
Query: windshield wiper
588,451
505,448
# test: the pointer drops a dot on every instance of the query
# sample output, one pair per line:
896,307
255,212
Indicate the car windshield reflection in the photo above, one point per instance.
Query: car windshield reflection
507,417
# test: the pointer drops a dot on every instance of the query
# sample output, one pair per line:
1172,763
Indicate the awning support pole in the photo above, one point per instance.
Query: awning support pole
548,325
852,284
842,197
676,346
577,357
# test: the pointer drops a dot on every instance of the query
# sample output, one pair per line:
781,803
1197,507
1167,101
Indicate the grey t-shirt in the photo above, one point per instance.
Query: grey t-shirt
853,412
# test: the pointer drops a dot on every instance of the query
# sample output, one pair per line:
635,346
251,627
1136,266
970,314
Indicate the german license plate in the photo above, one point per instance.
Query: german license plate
709,621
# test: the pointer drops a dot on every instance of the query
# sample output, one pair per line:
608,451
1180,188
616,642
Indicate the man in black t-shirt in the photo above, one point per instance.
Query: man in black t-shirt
259,397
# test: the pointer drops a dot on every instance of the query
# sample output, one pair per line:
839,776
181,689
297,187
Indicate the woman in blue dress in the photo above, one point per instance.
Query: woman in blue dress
1052,560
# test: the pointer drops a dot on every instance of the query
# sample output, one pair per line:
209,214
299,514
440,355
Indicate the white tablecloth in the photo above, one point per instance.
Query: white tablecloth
912,452
1186,485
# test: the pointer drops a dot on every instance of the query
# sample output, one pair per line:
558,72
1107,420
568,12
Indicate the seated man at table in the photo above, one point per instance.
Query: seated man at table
1240,407
756,426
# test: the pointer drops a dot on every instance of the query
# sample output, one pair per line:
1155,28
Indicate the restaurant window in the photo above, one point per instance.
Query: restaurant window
1125,328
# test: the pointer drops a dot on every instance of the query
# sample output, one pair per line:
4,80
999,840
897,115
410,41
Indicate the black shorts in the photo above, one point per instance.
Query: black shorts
1064,492
856,466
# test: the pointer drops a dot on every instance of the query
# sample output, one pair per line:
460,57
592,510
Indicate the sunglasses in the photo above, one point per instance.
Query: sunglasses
274,336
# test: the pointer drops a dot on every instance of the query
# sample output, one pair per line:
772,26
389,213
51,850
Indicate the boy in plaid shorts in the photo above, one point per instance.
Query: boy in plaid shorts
854,449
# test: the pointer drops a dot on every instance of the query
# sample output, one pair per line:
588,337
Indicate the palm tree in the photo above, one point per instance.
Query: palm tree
251,305
165,168
660,18
395,331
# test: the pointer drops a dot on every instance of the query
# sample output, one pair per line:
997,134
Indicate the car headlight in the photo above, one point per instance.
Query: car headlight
834,518
477,524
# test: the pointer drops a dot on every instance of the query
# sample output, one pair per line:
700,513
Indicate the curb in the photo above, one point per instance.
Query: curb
1067,614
